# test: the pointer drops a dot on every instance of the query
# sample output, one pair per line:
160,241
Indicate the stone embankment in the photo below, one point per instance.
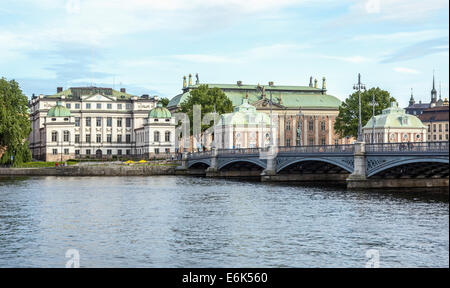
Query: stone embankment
93,170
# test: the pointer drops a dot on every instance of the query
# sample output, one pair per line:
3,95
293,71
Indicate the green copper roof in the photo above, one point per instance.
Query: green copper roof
244,114
58,111
159,112
287,96
395,117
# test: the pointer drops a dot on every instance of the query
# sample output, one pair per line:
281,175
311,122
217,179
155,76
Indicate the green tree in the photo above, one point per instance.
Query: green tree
347,121
164,102
14,123
207,98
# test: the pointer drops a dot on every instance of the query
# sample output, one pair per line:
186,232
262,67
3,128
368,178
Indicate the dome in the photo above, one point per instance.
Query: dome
245,114
58,111
159,112
395,117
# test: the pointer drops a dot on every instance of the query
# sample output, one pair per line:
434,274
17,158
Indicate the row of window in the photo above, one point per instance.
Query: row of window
108,151
310,125
156,136
109,106
98,122
439,126
436,137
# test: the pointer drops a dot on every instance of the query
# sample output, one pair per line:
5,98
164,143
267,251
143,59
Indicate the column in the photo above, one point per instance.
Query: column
316,128
294,131
330,127
305,130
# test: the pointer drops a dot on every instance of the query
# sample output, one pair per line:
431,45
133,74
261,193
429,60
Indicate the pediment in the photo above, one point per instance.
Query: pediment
99,98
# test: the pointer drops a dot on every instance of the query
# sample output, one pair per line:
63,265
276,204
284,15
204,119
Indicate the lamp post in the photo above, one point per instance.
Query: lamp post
271,120
299,129
373,104
358,87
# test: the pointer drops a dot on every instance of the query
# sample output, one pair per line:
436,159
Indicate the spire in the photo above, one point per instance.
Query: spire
433,92
440,91
411,100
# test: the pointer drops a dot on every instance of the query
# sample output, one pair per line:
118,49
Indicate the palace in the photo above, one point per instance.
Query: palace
305,114
86,122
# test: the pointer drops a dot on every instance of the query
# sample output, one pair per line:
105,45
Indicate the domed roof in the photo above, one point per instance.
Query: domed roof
58,111
159,112
245,114
395,117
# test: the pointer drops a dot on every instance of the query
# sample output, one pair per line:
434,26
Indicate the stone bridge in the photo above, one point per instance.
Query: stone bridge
358,165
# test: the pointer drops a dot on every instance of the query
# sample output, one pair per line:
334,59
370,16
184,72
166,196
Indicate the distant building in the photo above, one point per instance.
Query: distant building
437,120
305,114
418,108
394,125
90,122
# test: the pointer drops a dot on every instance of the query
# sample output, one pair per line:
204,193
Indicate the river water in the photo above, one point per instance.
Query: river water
171,221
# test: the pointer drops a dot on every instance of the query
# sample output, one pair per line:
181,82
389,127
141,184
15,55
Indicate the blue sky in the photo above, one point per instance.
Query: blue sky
147,46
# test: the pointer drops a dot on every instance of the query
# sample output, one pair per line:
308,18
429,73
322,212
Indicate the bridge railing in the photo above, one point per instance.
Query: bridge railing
197,155
241,151
345,148
408,147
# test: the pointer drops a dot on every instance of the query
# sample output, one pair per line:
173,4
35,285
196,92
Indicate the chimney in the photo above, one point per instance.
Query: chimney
59,89
239,83
271,83
123,90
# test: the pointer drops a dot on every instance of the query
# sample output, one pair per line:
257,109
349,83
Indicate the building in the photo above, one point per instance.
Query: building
393,126
305,114
436,120
88,122
418,108
244,128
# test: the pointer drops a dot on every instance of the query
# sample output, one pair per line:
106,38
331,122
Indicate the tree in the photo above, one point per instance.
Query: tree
347,121
164,102
207,98
14,123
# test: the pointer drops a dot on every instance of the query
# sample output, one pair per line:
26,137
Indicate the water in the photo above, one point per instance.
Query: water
196,222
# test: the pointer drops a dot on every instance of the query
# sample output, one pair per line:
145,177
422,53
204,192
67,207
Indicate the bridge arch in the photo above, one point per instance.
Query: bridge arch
256,162
202,162
404,162
345,166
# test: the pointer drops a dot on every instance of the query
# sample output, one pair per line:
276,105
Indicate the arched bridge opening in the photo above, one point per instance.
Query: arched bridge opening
312,170
198,168
413,170
241,168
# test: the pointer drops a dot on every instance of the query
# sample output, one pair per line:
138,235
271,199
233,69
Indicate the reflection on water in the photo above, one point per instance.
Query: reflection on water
196,222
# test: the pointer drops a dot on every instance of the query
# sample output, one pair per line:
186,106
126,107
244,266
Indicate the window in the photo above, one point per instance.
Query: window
109,121
119,122
77,138
434,137
88,138
66,151
119,152
88,105
54,136
99,138
77,152
53,119
66,119
99,121
322,141
128,138
156,136
429,128
128,122
440,137
119,138
88,152
109,152
68,105
128,151
167,150
311,142
434,127
66,136
88,121
128,106
77,106
77,121
167,136
440,127
109,138
55,151
446,127
322,125
119,106
288,142
109,106
311,125
99,105
288,125
156,151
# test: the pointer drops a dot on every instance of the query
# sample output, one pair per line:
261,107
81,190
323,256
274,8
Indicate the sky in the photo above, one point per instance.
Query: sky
147,46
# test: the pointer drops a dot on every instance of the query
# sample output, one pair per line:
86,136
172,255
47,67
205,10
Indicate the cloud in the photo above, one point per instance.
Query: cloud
350,59
406,70
418,50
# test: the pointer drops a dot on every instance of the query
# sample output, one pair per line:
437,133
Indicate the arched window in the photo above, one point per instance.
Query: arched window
66,136
167,136
311,124
156,136
54,136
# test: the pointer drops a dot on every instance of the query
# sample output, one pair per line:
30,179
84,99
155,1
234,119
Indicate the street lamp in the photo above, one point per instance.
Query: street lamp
373,104
358,87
